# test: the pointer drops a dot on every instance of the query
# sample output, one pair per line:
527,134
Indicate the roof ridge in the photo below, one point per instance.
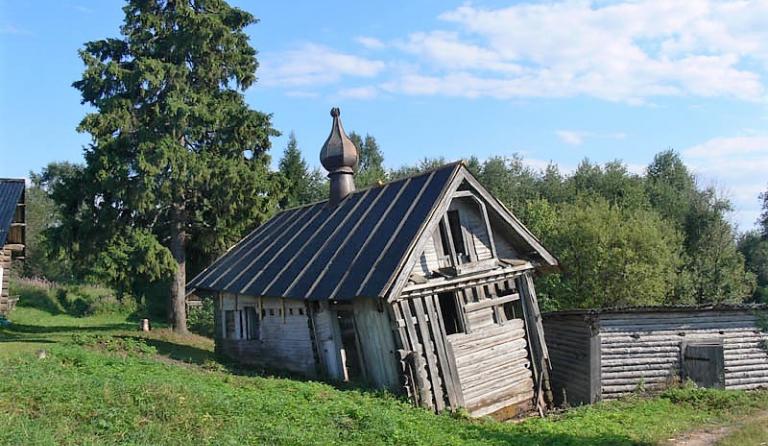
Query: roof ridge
415,175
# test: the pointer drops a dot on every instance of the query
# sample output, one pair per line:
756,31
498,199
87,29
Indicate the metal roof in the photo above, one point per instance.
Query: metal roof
321,252
10,194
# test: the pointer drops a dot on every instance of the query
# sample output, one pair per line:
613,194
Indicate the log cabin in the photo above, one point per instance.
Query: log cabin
606,354
12,235
422,285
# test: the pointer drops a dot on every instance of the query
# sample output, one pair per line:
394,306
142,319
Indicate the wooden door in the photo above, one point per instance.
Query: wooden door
704,364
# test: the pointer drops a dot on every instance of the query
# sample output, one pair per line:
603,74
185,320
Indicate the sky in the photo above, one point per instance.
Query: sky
552,81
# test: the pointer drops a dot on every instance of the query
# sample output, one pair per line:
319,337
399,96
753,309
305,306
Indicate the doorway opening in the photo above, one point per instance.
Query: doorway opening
351,360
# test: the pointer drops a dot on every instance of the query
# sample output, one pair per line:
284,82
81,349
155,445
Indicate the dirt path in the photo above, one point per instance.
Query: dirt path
709,436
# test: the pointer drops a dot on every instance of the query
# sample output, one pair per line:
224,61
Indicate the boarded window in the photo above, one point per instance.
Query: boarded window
229,324
449,309
253,323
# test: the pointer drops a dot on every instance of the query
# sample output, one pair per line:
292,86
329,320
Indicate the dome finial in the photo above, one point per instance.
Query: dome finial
339,157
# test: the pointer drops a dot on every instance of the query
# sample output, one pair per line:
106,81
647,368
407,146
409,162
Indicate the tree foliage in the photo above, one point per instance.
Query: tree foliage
302,185
167,165
370,169
611,256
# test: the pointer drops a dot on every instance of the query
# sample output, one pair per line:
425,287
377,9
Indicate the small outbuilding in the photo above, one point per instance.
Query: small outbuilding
605,354
422,285
12,234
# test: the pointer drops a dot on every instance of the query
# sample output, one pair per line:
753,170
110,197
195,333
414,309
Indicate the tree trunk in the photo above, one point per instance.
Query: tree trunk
177,308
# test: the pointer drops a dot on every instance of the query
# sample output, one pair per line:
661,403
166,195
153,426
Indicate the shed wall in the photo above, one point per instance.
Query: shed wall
5,264
646,348
285,342
569,339
377,344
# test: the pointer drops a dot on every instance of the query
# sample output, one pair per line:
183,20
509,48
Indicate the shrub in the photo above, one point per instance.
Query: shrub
200,319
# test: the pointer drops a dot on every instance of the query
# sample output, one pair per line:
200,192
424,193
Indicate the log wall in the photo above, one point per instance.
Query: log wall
632,350
493,367
5,264
646,347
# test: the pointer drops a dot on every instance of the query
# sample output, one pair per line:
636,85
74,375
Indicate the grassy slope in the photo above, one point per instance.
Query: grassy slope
115,389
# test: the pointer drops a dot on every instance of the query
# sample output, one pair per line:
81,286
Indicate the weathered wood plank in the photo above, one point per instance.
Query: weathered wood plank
427,342
449,379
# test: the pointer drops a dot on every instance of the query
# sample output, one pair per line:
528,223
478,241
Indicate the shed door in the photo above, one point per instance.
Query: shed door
704,364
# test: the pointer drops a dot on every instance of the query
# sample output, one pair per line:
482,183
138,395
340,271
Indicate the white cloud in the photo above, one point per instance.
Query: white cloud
370,42
723,147
446,50
358,93
312,65
630,51
741,161
571,137
577,137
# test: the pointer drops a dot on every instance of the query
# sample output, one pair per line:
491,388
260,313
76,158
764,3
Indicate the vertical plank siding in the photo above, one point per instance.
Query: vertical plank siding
286,342
377,344
568,339
473,220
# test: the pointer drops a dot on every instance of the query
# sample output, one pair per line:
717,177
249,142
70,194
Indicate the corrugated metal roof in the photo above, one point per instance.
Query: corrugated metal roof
319,252
10,193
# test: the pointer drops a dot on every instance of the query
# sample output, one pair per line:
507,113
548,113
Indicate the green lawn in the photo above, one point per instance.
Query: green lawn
102,382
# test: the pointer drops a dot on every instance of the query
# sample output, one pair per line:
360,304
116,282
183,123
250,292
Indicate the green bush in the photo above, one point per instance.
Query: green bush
200,319
714,399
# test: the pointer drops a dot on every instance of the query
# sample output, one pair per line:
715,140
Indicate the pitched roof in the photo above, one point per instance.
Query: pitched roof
356,249
10,194
321,252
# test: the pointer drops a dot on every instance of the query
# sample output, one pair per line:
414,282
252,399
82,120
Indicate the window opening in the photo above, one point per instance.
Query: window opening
449,310
458,236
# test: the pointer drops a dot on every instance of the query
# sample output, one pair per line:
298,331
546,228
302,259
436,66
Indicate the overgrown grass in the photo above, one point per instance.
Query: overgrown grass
72,299
752,432
102,382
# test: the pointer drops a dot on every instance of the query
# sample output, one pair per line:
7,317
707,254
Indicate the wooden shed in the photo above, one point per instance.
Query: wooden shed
605,354
422,285
12,234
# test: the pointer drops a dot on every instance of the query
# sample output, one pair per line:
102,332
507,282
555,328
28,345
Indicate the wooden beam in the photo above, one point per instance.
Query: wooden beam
448,368
493,302
427,342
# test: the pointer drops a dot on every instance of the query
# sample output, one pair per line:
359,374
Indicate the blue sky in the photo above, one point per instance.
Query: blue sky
556,81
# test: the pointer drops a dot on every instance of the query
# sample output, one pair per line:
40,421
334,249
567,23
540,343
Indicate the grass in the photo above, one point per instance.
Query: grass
753,431
102,382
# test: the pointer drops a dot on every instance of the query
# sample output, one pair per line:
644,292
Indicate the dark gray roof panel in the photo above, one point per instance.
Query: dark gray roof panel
320,252
10,194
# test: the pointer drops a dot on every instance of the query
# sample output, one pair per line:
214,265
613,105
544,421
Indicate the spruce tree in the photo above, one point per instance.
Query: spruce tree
294,170
176,154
